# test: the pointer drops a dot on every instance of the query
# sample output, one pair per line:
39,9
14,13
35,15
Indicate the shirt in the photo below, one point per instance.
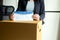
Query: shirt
30,6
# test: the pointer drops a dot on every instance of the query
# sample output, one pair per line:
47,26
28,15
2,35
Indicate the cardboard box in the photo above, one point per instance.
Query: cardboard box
20,30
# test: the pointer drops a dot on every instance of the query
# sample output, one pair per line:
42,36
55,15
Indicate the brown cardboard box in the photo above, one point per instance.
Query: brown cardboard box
20,30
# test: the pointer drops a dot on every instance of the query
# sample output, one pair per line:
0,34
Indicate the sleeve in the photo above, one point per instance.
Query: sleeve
40,9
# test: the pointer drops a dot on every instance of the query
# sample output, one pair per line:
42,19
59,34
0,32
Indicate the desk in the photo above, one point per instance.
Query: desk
20,30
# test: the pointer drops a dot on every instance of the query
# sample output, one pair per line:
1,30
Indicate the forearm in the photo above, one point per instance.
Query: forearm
42,16
42,10
37,7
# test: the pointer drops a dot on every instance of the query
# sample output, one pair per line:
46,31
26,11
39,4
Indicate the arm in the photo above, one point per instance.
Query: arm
39,9
42,10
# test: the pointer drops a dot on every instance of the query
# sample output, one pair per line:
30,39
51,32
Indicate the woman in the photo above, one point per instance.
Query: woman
38,9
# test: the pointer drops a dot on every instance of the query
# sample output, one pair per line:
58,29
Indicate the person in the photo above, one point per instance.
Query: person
39,8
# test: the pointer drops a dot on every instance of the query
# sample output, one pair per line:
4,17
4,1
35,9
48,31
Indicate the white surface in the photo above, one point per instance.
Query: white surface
52,5
23,17
50,28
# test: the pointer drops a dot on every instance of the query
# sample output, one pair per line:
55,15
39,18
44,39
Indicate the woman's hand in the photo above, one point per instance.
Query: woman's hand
36,17
11,17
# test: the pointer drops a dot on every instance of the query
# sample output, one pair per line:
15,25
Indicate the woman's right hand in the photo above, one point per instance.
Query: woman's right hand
11,17
36,17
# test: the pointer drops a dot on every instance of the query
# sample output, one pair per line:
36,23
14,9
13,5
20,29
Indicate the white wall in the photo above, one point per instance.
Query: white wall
50,28
52,5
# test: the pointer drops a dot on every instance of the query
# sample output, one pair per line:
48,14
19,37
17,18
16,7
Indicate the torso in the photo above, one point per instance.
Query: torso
22,5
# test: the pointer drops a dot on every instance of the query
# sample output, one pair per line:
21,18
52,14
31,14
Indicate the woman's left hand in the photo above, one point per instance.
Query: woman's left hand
36,17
